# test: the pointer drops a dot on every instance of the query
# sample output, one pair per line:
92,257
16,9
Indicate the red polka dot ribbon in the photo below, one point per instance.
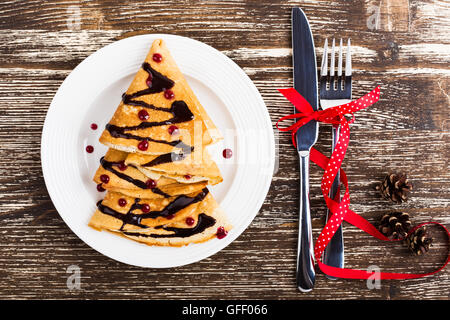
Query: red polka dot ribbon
340,210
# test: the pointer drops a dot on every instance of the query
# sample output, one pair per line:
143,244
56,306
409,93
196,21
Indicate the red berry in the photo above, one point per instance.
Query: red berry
187,176
170,216
94,126
149,80
157,57
100,188
221,232
104,178
190,221
227,153
151,183
89,149
168,94
143,115
173,130
145,208
122,202
122,166
143,145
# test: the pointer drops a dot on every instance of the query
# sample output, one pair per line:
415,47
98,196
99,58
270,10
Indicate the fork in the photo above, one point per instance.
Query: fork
335,90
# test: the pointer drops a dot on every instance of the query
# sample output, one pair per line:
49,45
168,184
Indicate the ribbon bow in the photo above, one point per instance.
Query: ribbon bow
340,211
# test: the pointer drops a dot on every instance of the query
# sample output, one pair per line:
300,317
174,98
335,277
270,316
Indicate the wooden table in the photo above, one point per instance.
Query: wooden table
402,45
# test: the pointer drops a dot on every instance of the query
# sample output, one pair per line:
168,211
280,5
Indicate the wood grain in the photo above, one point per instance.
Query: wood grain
408,54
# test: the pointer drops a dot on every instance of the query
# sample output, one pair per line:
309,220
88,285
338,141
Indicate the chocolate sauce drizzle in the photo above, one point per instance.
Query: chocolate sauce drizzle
179,110
109,165
169,157
119,132
159,83
204,222
139,103
126,218
172,208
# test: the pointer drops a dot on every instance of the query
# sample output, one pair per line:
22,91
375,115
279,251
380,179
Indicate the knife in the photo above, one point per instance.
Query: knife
305,82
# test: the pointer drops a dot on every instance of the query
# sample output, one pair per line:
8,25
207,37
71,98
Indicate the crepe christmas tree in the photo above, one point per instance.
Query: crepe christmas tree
157,168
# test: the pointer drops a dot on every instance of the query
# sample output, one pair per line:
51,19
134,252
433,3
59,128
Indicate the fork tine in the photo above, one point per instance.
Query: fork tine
348,61
339,72
332,59
324,65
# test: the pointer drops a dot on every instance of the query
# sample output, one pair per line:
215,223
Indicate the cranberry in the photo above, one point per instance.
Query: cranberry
100,188
190,221
122,166
122,202
89,149
168,94
173,130
149,80
143,145
187,176
221,232
94,126
227,153
170,216
145,208
151,183
104,178
143,115
157,57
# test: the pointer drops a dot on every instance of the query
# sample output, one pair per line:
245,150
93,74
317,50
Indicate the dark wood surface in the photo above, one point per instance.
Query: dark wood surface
407,53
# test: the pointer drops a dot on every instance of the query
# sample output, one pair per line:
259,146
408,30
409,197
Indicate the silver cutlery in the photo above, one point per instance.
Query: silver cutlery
305,82
335,89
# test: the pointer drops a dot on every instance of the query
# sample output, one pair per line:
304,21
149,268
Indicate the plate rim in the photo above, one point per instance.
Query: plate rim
242,74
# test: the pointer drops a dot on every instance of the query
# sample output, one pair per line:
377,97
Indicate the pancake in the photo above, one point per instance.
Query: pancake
186,167
206,227
176,221
130,181
159,113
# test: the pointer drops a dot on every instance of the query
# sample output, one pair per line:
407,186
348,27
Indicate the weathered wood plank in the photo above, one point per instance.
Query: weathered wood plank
407,130
62,49
269,17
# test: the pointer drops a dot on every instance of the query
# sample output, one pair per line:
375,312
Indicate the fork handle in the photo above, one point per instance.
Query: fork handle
305,255
334,252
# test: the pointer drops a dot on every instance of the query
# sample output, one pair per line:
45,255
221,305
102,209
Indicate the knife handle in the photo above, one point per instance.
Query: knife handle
334,252
305,254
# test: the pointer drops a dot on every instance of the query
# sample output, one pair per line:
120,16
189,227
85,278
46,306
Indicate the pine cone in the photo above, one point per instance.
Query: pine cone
419,241
395,225
395,187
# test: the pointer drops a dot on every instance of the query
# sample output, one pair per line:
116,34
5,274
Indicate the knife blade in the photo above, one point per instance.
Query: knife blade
305,82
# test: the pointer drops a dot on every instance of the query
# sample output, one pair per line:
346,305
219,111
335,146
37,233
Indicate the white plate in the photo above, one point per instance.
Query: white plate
91,93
